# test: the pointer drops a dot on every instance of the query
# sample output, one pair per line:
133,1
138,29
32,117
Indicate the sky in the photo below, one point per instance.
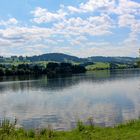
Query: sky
76,27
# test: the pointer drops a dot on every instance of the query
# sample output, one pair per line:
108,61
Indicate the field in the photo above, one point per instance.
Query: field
103,66
98,65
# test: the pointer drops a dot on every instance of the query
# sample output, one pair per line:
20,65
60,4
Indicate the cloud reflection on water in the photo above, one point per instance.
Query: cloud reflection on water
108,97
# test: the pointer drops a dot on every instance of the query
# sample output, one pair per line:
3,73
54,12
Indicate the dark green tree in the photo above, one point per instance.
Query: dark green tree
1,72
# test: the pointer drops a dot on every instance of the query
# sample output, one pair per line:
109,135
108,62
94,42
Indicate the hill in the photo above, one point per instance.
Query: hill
58,57
124,60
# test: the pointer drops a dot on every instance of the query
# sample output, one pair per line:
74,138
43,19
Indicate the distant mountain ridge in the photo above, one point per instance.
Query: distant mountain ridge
60,57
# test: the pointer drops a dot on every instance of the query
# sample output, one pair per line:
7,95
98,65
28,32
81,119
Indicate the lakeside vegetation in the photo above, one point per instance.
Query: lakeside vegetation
51,69
56,63
126,131
58,68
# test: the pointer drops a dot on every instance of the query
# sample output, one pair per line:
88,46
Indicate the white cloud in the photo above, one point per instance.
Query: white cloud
127,7
25,34
43,15
131,22
73,9
73,30
126,20
93,5
108,6
93,25
107,49
99,49
11,21
24,40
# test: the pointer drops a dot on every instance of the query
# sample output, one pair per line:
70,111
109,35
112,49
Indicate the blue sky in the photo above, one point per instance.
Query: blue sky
76,27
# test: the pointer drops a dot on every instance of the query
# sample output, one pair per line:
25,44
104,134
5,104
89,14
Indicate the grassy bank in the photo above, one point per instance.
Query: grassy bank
128,131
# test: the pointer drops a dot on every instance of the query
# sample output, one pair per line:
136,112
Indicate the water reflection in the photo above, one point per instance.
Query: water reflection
108,97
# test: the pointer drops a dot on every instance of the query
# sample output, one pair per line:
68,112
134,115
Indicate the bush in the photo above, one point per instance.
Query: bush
80,126
6,127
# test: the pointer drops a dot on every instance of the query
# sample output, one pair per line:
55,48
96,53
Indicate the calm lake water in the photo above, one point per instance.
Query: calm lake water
108,97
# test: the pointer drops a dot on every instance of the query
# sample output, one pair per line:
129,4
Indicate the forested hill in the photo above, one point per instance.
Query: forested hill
59,57
112,59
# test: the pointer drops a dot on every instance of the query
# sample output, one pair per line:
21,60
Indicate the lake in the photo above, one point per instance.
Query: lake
109,97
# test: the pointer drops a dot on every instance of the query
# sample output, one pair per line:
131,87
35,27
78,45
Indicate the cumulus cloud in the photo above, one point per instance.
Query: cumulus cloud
126,20
92,5
24,40
11,21
130,21
73,9
42,15
93,25
110,6
99,49
25,34
127,7
74,29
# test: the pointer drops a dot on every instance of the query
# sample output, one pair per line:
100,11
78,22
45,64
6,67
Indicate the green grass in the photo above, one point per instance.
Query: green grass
97,66
128,131
103,66
14,63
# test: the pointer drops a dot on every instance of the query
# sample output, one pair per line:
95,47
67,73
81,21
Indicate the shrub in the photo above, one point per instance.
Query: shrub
80,126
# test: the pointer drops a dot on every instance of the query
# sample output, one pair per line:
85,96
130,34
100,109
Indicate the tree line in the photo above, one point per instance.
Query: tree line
51,69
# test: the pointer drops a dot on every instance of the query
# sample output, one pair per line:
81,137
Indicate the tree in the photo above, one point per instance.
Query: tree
52,66
113,66
78,69
9,72
138,64
1,72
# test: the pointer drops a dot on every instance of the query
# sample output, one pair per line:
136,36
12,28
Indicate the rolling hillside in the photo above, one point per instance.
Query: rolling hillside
112,59
60,57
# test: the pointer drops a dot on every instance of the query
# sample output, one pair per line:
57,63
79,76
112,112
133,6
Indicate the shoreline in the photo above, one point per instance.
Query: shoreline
124,131
70,74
